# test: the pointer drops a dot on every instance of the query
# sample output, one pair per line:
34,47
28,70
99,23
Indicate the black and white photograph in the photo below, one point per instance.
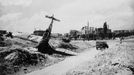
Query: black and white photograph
66,37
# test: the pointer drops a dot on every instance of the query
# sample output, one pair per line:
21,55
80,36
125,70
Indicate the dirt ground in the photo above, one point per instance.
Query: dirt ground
118,59
20,57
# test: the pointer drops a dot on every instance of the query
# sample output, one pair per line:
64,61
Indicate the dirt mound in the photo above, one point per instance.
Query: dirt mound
13,60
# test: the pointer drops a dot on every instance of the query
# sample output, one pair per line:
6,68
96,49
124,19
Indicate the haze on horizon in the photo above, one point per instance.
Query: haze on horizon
26,15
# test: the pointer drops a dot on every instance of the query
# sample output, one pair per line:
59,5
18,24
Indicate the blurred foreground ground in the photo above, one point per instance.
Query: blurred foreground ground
21,58
117,60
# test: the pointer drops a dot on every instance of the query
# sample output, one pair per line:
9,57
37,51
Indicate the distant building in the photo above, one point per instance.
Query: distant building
103,33
98,30
74,34
120,31
87,30
105,30
101,30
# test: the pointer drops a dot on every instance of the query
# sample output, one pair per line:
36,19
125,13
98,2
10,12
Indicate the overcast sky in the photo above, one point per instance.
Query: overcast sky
25,15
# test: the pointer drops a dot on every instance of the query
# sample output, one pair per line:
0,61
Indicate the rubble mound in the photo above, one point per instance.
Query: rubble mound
13,60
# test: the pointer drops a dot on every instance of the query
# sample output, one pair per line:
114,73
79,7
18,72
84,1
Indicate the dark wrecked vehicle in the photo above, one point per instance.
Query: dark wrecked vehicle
101,45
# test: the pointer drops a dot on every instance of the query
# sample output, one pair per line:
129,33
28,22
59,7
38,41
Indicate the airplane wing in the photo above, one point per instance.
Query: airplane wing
56,19
48,17
52,18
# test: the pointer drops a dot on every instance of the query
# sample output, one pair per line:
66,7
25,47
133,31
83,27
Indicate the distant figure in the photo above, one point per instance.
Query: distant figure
101,45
